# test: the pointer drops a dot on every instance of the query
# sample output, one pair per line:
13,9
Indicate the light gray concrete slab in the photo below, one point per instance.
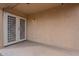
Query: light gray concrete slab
28,48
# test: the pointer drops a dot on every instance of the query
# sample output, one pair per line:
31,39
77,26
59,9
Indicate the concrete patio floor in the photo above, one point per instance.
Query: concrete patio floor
29,48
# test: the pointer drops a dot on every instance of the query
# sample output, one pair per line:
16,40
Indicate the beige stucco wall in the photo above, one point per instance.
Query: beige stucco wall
57,27
1,28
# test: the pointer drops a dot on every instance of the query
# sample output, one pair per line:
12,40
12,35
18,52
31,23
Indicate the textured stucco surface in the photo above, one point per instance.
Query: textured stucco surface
1,28
58,27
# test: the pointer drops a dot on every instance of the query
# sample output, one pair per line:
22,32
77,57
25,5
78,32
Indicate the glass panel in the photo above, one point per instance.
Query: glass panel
11,28
22,29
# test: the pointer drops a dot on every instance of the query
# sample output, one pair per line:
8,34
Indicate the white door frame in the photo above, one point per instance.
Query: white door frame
5,29
18,29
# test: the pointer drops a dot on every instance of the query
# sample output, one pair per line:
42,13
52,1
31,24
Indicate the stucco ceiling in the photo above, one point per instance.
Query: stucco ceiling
33,8
5,5
28,8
